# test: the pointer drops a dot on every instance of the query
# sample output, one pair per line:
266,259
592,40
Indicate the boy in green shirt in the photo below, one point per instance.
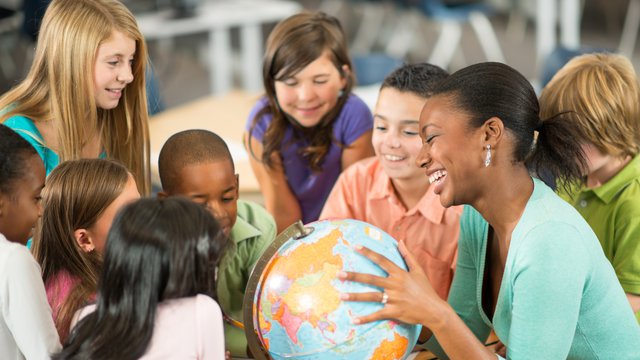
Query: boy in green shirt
601,93
197,164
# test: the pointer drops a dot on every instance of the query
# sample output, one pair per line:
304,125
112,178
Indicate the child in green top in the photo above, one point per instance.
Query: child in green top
197,164
602,94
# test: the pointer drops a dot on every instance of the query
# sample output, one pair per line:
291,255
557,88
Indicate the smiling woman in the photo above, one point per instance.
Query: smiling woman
529,267
84,96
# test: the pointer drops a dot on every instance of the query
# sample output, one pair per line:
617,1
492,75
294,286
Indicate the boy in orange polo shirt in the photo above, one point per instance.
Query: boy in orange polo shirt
390,191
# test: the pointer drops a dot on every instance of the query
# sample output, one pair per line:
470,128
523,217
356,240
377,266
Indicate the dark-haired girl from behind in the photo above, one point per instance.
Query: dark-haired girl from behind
157,290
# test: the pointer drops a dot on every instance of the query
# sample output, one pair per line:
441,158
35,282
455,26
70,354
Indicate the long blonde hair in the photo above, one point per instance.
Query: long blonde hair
601,94
59,85
76,193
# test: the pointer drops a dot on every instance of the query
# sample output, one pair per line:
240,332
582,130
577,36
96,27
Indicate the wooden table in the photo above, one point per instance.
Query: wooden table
225,115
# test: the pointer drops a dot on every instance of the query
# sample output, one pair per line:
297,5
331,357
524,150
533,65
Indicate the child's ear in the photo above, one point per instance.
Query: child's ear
3,204
344,75
162,195
83,239
237,186
345,70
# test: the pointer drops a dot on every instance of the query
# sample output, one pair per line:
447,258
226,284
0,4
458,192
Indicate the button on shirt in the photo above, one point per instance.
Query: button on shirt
430,231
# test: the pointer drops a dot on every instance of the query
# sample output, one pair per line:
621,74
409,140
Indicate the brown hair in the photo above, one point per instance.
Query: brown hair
75,195
600,93
292,45
419,79
59,85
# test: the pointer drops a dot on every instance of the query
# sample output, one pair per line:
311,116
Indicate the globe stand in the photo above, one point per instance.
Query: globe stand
296,231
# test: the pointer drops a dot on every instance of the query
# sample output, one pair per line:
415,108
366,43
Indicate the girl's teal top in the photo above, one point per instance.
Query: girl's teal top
27,129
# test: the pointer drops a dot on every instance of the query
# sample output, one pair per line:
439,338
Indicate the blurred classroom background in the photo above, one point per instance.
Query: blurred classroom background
195,57
207,54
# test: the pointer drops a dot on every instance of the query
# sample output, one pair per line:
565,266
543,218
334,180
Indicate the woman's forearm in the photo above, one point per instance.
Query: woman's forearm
456,339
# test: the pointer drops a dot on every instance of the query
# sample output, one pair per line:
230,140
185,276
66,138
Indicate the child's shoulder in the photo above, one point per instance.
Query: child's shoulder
355,105
355,100
259,106
364,169
15,258
258,125
188,303
20,122
26,128
354,119
10,249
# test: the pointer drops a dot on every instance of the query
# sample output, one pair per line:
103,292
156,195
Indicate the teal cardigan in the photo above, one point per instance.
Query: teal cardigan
559,297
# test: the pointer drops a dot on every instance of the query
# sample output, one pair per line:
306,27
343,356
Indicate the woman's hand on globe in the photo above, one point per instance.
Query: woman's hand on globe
410,297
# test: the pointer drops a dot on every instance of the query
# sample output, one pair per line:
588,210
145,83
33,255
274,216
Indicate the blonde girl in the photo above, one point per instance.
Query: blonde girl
80,200
84,96
308,127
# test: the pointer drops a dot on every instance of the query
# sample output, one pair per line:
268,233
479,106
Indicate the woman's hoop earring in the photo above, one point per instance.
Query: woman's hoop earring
487,159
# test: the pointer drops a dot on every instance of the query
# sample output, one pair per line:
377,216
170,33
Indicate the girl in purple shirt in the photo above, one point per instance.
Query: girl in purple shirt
308,127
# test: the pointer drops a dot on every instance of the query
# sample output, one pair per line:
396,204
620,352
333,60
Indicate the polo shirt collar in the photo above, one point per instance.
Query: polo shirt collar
609,190
429,205
242,230
382,187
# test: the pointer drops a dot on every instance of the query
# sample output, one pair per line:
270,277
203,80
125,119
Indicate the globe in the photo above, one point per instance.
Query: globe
296,311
